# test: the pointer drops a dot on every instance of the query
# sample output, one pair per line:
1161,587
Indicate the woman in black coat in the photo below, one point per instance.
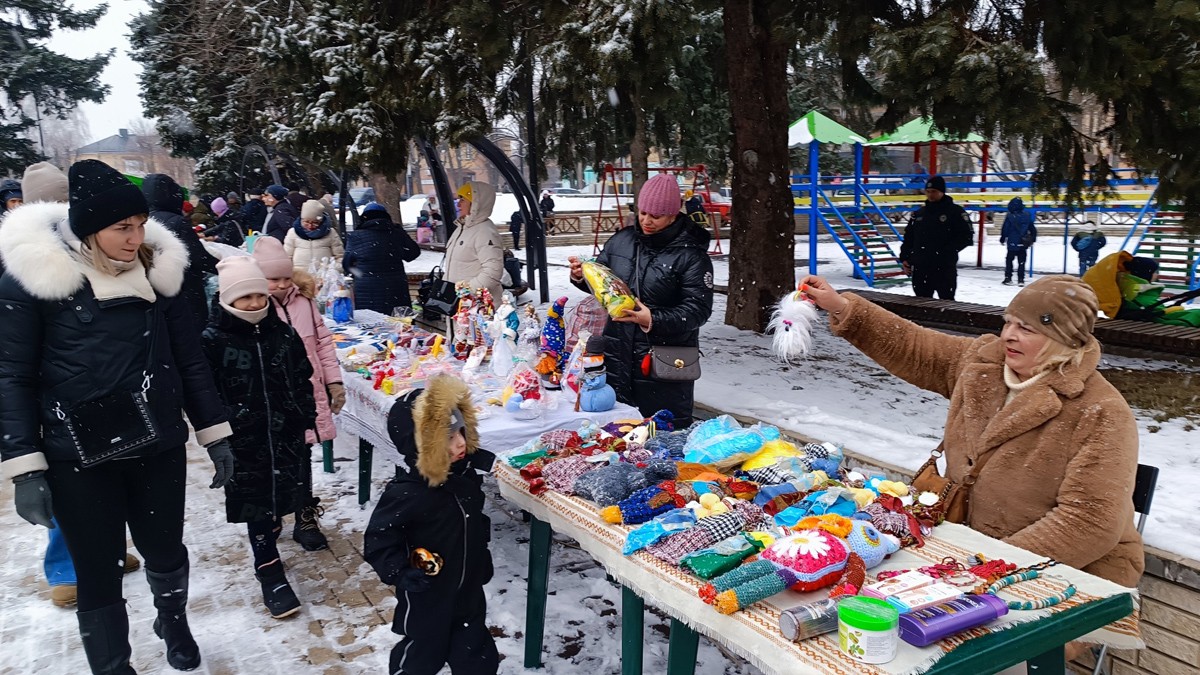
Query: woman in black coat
665,262
375,255
90,290
165,199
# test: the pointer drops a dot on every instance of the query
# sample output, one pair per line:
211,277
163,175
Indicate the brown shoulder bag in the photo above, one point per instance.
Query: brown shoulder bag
954,498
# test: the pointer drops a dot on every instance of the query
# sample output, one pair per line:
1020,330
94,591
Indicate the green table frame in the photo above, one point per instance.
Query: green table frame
1038,643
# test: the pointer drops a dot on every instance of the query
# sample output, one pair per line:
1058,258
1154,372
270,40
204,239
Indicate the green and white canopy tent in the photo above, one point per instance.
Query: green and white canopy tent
812,130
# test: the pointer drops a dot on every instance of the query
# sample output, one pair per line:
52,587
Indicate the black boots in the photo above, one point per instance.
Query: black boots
105,634
307,533
278,596
170,599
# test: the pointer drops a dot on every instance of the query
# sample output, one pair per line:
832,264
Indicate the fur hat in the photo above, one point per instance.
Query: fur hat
660,196
1059,306
44,182
277,191
432,415
274,262
100,196
936,183
239,276
312,209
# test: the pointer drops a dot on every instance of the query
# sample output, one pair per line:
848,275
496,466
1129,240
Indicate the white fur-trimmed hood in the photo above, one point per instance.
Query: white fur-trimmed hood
41,261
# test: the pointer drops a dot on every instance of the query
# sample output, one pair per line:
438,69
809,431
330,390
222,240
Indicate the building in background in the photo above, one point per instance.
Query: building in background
138,155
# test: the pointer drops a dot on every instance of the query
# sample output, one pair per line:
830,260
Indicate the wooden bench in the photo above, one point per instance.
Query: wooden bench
1138,337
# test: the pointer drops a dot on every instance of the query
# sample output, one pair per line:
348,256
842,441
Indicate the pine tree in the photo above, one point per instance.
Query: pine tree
35,81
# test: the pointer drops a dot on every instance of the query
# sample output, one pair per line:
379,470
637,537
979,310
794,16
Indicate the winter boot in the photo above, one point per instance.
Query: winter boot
307,533
105,634
170,591
1006,282
278,596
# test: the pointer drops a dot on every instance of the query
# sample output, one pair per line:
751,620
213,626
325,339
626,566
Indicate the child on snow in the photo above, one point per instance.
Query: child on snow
428,536
291,293
1088,245
262,373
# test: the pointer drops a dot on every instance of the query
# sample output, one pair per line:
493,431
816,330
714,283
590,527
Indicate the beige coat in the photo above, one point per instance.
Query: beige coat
304,251
1059,480
473,254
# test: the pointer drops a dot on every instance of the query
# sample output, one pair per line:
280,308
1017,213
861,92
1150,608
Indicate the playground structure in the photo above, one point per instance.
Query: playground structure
611,223
865,213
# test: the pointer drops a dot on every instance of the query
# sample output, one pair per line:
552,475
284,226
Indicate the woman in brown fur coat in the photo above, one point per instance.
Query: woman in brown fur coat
1060,443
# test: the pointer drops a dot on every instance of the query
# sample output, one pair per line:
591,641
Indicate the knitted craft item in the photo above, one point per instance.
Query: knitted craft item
560,475
838,526
734,578
825,457
870,544
852,579
816,557
554,333
672,549
644,505
668,445
901,525
559,439
610,484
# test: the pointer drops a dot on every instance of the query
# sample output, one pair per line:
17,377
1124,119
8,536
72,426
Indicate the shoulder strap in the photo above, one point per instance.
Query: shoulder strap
152,340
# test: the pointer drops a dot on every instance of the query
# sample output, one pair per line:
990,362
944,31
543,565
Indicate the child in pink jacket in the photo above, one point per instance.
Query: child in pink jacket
292,292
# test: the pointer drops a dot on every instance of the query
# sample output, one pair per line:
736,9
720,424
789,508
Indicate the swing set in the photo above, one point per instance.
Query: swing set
609,177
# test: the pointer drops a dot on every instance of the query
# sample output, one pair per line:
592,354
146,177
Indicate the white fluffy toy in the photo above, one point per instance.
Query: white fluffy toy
791,325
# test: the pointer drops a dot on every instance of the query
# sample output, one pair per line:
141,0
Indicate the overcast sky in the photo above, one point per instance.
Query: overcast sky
122,107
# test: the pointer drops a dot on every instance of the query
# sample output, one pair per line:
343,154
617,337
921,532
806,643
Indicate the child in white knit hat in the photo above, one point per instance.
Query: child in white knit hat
262,374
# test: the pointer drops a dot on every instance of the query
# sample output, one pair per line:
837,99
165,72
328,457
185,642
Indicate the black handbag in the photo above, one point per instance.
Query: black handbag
117,424
437,296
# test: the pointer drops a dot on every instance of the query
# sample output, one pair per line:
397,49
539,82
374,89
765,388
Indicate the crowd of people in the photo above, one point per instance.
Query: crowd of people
111,339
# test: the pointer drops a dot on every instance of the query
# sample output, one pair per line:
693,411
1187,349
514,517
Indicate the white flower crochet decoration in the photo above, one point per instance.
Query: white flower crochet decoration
809,543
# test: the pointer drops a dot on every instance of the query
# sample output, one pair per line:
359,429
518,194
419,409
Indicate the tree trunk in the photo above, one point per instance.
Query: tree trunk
639,146
761,250
387,192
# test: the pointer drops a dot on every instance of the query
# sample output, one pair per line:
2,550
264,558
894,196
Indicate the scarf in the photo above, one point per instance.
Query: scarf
319,233
250,317
129,281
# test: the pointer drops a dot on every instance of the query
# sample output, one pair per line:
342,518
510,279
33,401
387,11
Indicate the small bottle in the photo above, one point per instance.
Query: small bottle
926,626
809,620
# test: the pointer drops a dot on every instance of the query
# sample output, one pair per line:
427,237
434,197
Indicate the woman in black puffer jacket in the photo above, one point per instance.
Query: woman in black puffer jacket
87,290
665,262
375,255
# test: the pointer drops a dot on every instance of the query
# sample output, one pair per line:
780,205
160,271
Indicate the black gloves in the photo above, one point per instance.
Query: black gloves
33,498
221,454
413,580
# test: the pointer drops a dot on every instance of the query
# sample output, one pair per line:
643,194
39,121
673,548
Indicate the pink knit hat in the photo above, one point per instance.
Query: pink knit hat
219,206
239,276
272,259
660,196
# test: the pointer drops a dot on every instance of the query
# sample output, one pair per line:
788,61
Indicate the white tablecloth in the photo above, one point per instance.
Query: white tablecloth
365,414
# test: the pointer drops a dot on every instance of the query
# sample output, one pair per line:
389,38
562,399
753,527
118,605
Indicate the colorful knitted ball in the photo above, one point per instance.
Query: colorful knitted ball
817,558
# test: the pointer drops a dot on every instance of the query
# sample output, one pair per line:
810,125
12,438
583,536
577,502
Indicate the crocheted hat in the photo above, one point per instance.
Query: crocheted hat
660,196
870,544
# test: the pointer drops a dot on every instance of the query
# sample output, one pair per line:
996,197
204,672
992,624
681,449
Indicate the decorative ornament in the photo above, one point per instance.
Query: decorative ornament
791,325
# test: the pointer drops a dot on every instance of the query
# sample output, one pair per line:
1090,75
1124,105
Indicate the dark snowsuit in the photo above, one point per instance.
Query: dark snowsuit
516,223
263,375
228,229
937,232
375,255
165,199
1019,233
674,278
252,215
1088,245
437,506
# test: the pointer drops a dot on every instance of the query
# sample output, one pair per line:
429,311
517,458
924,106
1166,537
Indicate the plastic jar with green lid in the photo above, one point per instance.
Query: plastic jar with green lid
868,629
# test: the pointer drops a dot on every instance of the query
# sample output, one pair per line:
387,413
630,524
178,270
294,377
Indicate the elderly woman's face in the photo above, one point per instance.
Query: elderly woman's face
121,240
1022,344
311,224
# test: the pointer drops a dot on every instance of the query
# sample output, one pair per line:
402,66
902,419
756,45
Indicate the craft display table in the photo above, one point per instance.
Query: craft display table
366,411
1100,610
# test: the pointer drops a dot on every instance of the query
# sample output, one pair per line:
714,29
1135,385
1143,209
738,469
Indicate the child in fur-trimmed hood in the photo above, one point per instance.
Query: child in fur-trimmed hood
436,505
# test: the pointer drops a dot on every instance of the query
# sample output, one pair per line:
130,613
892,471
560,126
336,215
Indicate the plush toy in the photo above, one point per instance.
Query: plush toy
805,561
595,395
791,325
609,289
870,544
554,333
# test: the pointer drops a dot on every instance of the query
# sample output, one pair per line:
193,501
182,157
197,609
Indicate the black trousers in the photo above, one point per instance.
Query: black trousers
516,235
437,630
93,506
1018,254
935,278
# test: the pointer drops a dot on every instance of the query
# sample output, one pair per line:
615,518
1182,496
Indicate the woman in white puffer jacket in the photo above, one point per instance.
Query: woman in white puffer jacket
312,237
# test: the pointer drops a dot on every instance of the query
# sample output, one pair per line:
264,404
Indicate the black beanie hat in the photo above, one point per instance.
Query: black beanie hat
1142,267
100,196
936,183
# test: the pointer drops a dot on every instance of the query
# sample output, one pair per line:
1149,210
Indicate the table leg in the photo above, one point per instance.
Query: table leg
681,654
365,453
327,455
633,612
1053,662
535,595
